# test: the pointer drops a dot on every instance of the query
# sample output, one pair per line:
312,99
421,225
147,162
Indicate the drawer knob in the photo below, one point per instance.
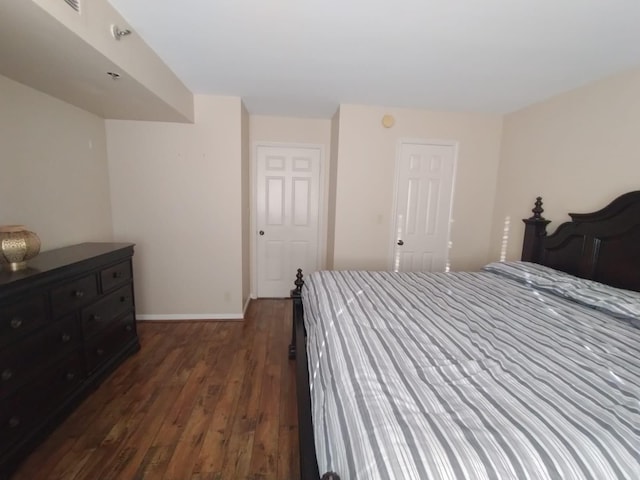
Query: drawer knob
128,328
96,317
7,374
118,274
65,337
70,376
79,293
99,352
124,298
16,322
14,422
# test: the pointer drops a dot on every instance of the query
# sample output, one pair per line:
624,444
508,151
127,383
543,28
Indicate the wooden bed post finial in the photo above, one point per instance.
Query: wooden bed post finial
537,210
330,476
299,282
534,231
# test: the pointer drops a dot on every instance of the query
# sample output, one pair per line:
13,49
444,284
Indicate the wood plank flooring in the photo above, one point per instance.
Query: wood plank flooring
200,401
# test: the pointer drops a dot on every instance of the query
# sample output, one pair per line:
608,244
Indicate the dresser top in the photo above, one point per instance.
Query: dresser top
63,257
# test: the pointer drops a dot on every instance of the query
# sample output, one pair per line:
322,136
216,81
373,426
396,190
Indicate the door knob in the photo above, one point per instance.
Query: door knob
400,242
261,232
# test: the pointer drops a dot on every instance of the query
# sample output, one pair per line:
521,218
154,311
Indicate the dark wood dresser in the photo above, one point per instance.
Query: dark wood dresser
65,322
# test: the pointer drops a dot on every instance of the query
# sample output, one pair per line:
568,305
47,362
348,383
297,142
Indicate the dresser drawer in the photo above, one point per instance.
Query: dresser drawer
73,295
16,418
116,275
101,314
25,359
31,404
110,342
20,318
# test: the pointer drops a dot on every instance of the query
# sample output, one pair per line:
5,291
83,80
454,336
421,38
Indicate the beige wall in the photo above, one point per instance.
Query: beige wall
332,189
290,130
53,168
578,151
365,181
246,207
181,192
176,192
266,128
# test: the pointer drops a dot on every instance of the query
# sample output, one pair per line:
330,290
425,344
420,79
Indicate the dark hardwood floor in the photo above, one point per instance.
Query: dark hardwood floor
200,401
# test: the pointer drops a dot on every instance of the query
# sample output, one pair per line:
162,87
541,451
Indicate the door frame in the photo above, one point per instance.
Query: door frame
396,177
322,220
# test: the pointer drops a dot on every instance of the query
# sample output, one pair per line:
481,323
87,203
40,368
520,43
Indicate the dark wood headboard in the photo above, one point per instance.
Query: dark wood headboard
603,246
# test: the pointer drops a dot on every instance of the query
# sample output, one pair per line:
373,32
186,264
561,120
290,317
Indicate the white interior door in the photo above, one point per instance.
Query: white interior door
287,196
424,196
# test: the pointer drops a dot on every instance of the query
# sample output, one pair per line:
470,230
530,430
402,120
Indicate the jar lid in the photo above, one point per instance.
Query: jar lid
12,228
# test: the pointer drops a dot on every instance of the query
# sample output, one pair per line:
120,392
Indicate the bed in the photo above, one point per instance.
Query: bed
524,370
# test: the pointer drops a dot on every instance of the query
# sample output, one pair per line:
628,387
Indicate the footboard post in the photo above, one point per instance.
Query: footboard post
298,350
534,231
297,311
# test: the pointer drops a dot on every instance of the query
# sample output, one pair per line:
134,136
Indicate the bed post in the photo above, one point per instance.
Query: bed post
298,350
297,311
534,231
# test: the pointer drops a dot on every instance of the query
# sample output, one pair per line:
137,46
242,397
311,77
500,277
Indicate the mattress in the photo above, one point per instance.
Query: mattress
469,376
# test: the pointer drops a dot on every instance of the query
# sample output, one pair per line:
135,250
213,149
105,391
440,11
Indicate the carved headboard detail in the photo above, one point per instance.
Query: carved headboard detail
603,246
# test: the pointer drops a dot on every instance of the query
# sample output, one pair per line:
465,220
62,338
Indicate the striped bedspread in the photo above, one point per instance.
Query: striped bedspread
468,376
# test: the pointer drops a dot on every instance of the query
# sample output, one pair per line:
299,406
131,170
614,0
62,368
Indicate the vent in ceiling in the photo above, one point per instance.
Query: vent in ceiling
75,4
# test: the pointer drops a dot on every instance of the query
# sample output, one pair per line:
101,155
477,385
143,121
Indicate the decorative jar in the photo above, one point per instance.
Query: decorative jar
17,245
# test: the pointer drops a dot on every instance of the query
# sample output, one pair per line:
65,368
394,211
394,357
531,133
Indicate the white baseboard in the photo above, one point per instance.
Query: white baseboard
190,316
197,316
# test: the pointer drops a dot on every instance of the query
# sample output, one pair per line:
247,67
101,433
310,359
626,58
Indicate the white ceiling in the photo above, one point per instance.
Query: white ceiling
305,57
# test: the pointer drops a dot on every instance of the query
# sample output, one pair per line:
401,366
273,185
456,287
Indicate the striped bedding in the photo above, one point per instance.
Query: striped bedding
468,376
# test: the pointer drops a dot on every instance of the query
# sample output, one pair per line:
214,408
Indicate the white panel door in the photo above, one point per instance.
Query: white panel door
287,197
424,195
